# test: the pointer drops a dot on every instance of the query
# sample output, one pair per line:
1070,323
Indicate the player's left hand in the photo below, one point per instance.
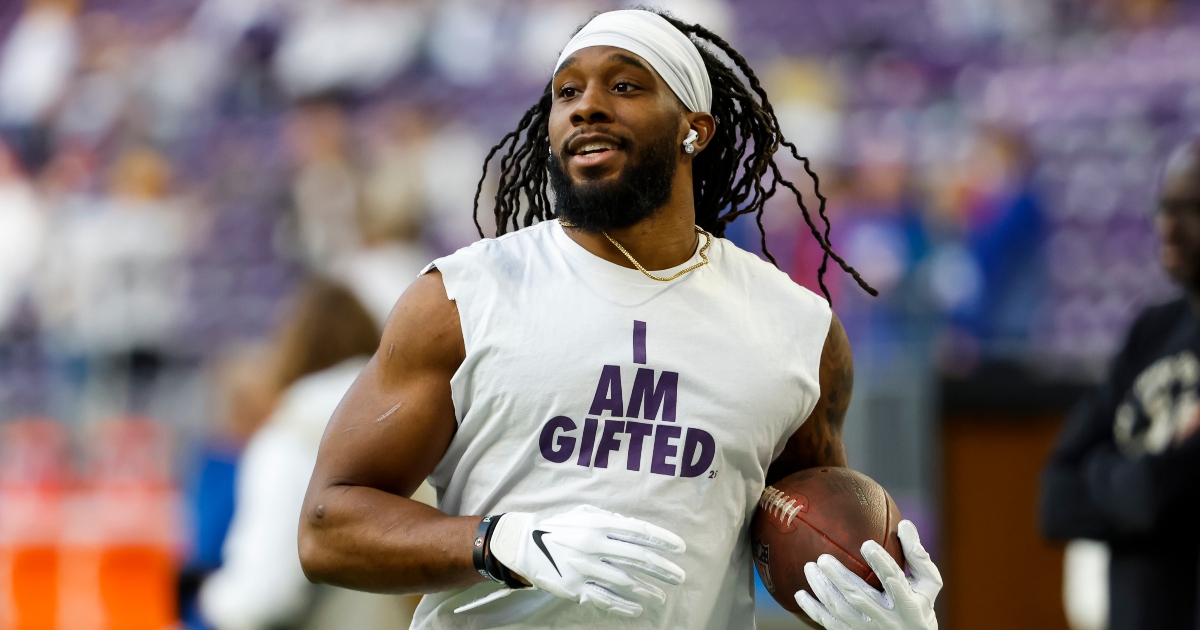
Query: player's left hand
845,601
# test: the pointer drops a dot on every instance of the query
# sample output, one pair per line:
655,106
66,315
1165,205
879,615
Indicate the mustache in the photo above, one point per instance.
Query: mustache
625,141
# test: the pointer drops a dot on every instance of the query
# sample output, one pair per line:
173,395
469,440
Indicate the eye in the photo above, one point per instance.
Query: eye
567,92
624,86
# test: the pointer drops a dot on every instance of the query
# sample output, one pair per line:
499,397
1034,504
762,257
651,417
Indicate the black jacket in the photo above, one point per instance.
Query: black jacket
1115,476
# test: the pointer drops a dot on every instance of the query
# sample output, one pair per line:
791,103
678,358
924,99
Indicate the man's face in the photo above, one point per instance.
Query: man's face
1178,219
615,133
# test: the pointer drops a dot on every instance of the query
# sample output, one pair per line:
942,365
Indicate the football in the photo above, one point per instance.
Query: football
820,511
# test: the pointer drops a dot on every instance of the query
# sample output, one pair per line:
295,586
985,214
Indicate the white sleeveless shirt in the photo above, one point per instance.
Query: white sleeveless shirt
588,383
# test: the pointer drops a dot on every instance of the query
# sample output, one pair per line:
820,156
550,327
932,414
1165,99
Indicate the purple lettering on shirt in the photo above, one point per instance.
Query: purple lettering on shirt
608,441
637,431
639,342
589,440
560,450
661,396
664,449
698,451
608,393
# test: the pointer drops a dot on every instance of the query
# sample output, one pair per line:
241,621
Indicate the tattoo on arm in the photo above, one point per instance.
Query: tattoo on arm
818,442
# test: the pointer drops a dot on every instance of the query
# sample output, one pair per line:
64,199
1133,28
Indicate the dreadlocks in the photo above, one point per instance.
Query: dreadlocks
728,176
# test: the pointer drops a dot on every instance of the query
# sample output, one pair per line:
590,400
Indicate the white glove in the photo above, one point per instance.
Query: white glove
589,555
847,602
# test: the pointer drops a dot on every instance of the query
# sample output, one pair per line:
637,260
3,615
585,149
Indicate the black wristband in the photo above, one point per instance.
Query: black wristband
485,563
479,554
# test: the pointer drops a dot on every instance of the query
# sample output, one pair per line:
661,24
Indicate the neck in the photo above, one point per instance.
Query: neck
667,238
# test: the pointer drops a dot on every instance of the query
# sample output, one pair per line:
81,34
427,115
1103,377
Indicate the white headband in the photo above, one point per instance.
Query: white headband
647,35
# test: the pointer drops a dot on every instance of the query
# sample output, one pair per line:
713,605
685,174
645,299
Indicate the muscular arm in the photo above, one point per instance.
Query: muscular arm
818,442
358,528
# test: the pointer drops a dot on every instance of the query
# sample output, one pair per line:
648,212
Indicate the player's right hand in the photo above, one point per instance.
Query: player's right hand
591,556
845,601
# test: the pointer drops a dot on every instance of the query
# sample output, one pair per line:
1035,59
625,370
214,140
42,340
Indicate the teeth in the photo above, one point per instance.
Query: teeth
596,146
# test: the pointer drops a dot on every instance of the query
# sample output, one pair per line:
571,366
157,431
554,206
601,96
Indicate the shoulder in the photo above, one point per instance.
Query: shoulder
489,261
1158,320
1165,313
765,281
509,246
425,325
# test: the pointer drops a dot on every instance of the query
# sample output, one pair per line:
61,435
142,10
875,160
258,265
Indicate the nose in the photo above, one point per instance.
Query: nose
591,107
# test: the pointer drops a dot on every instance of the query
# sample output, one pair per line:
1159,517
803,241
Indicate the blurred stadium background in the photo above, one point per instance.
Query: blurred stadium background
172,171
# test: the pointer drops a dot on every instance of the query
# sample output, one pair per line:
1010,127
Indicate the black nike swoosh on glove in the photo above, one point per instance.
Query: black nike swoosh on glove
537,540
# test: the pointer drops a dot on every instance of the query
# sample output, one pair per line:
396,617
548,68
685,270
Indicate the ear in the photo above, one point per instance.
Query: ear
703,124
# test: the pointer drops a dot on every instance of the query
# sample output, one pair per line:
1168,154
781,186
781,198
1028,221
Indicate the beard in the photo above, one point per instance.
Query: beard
642,187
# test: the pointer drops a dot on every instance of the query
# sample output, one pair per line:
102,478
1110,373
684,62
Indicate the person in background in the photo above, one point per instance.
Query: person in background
391,215
22,234
325,187
1126,469
38,58
115,279
323,345
245,393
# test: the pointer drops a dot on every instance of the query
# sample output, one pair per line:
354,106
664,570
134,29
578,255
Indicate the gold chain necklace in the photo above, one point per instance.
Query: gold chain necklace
703,258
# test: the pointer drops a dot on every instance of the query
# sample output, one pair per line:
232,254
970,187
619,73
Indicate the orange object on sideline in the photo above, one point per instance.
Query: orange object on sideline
119,549
137,586
30,587
33,472
118,586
